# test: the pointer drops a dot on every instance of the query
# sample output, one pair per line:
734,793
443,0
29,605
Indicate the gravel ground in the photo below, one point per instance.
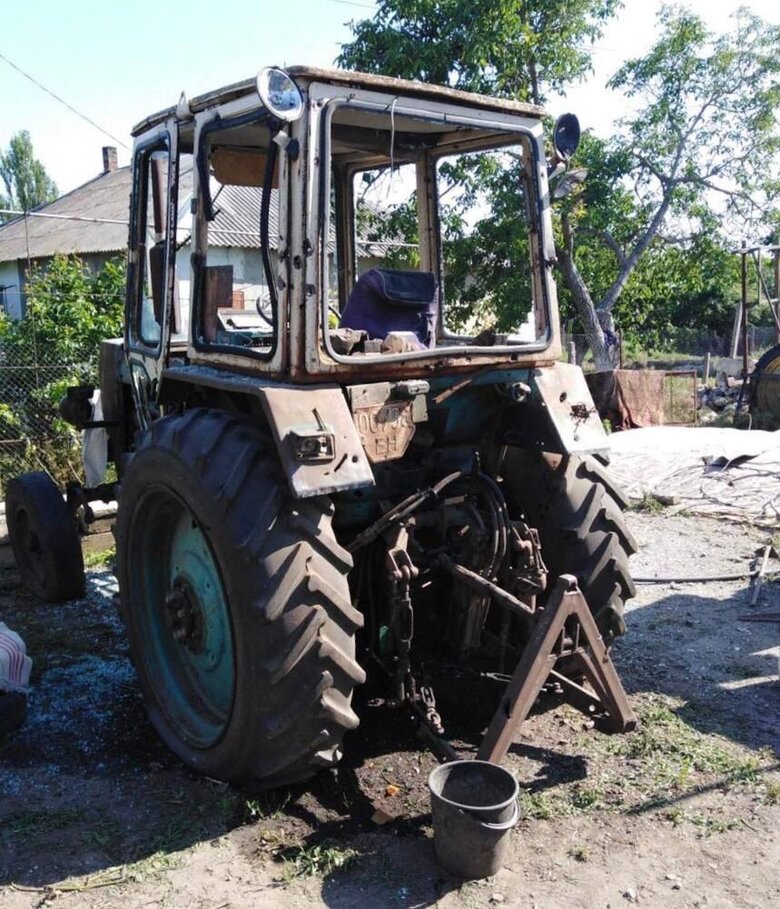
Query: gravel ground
683,812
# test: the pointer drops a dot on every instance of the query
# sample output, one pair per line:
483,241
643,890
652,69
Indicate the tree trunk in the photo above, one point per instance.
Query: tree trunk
583,300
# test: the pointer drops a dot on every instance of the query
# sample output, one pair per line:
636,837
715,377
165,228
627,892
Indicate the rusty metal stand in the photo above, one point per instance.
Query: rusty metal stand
565,628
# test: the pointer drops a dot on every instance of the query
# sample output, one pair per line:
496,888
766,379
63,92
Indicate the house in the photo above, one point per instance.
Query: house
92,223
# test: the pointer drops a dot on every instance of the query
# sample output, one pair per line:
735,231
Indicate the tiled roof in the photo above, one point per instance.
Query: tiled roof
106,200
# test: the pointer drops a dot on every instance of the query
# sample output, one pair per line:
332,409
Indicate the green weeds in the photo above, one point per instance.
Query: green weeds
673,751
104,558
312,861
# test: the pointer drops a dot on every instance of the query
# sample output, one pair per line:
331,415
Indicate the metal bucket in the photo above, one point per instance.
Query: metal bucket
474,807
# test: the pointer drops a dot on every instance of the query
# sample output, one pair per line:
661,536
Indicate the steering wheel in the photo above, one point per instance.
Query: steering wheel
263,307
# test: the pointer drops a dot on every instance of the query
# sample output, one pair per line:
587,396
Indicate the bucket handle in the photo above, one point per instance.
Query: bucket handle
499,827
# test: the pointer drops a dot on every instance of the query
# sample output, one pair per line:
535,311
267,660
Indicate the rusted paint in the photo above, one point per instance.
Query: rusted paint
385,430
567,399
293,412
290,412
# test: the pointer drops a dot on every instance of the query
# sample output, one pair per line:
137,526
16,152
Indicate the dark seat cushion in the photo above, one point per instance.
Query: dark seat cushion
385,300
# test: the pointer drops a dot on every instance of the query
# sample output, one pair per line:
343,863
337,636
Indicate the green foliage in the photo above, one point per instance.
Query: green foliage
320,860
27,184
484,260
694,162
691,283
69,311
102,558
707,116
498,47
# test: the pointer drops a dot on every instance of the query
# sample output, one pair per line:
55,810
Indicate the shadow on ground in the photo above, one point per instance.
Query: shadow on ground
87,786
696,648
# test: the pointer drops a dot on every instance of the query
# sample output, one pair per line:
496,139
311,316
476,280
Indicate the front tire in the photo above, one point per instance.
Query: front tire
44,538
236,603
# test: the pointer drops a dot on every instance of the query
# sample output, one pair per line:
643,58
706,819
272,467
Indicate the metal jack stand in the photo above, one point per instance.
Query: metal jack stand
565,628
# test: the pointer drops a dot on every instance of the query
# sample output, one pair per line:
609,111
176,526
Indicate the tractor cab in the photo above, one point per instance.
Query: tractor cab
319,224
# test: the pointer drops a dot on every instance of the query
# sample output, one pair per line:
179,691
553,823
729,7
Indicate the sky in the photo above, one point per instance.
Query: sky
118,62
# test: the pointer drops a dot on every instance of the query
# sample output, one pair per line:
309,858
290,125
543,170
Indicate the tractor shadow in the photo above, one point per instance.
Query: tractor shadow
694,648
355,806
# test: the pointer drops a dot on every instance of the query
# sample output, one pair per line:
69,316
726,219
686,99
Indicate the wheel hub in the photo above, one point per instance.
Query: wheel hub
184,616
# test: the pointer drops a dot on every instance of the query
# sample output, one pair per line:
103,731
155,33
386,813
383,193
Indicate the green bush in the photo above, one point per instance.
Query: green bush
70,309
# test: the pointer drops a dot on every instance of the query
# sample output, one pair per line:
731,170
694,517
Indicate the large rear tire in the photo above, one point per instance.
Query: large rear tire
44,538
236,603
578,511
765,391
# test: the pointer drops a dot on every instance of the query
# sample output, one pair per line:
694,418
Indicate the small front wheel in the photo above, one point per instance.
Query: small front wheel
44,538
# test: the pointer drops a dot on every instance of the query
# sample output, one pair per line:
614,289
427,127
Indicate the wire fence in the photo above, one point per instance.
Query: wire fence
679,344
33,380
32,434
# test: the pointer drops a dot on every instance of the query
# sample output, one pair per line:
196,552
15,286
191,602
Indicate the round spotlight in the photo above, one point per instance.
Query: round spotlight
279,94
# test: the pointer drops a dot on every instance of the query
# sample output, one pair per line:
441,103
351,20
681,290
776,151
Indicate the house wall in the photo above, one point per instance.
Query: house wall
248,276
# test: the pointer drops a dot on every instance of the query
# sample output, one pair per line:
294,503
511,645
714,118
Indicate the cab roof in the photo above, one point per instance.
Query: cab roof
304,75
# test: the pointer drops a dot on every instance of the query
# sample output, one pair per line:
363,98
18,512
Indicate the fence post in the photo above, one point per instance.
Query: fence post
706,369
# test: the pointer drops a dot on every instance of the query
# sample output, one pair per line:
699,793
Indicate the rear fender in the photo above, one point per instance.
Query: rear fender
318,445
558,414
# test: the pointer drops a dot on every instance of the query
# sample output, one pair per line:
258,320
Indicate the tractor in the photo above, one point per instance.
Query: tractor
335,443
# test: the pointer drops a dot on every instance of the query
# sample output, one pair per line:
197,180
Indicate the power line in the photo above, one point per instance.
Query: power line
353,3
40,214
64,102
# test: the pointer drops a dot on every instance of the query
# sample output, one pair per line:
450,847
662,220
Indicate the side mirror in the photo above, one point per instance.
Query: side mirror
566,140
566,136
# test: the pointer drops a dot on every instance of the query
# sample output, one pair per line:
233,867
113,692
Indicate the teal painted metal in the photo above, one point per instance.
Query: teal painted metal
185,619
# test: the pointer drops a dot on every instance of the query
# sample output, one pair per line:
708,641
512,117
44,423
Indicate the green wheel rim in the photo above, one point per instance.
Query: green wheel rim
182,618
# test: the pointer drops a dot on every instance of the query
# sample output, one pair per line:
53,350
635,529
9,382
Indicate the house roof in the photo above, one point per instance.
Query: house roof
94,219
238,218
55,229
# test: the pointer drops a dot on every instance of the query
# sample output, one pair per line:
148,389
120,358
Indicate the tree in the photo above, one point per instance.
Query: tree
699,151
520,50
70,309
697,154
27,184
511,48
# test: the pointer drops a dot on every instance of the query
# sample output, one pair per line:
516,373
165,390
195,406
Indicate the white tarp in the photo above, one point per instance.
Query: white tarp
709,470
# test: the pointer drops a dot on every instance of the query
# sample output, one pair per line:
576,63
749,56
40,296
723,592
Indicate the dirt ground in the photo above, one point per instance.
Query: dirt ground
683,812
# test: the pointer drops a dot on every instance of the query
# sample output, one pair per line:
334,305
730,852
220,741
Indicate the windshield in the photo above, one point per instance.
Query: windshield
434,239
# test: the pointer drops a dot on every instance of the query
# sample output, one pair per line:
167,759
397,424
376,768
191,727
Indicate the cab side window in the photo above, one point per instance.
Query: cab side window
240,197
148,242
